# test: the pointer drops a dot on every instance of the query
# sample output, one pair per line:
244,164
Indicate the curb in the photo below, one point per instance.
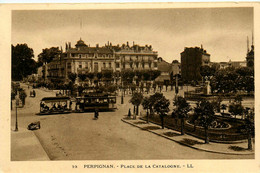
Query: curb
196,148
41,145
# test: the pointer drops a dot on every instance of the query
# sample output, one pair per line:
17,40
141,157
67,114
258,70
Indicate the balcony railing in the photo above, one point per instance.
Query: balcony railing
106,68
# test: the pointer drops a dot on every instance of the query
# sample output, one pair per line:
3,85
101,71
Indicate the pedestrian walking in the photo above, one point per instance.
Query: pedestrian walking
34,93
70,104
96,114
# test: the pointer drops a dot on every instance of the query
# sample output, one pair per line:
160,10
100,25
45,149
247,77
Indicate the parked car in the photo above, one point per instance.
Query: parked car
34,126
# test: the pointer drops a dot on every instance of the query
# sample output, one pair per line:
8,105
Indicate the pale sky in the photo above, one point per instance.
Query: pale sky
222,31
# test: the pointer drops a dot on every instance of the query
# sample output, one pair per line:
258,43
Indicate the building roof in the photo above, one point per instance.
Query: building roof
164,66
162,78
103,50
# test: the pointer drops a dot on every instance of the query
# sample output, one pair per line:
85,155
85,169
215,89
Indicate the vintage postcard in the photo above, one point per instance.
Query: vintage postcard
130,87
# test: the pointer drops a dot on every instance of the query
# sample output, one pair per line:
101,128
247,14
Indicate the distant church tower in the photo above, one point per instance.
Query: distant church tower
250,54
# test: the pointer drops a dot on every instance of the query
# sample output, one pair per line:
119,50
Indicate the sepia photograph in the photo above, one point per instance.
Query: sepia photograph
104,84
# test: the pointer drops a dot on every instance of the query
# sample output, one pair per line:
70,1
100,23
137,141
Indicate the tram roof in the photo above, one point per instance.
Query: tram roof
55,99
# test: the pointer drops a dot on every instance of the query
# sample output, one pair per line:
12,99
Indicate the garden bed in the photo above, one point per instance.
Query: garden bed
231,134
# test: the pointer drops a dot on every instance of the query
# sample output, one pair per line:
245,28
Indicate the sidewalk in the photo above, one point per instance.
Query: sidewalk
25,146
190,141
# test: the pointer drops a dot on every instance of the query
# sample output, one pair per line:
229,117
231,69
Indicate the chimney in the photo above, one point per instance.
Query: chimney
97,45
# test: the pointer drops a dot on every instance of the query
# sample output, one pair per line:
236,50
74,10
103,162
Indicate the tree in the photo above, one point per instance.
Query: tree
47,55
136,100
236,109
223,81
91,77
152,99
22,62
82,77
217,103
22,96
161,106
72,77
206,71
145,104
107,75
155,74
205,112
181,110
133,88
250,127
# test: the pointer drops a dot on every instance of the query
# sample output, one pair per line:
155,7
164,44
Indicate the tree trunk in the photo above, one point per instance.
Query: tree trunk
137,109
134,110
162,120
147,114
206,135
182,126
194,127
249,141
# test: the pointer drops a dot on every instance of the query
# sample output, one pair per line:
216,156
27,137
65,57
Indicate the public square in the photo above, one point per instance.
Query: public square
77,136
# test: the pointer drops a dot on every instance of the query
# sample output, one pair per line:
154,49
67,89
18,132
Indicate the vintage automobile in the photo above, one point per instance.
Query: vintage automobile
34,126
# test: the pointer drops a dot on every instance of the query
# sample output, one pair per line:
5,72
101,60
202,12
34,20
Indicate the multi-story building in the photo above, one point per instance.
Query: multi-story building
175,67
233,64
135,57
191,61
84,59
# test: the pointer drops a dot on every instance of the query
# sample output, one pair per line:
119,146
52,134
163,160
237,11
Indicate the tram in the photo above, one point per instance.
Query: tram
55,105
93,101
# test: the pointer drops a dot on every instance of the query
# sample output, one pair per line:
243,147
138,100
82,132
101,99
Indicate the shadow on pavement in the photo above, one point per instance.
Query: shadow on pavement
171,134
151,128
140,122
190,141
237,148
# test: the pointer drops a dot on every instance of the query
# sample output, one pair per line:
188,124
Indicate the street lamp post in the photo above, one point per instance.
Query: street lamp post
16,120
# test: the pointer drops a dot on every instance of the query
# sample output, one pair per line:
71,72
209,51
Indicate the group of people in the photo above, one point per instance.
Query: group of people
54,107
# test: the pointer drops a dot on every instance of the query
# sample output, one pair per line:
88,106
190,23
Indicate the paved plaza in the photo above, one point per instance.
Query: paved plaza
77,136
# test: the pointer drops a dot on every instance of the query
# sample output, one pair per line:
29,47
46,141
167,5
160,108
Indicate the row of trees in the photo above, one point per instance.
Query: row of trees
203,112
229,80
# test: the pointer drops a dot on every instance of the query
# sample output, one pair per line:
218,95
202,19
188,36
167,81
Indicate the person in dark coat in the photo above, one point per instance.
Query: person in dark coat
34,93
96,114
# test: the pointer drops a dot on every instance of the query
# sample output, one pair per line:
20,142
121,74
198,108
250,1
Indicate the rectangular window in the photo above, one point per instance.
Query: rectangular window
104,65
110,65
80,66
117,65
79,55
155,64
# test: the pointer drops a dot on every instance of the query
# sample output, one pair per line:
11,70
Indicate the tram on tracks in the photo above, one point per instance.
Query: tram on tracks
93,101
55,105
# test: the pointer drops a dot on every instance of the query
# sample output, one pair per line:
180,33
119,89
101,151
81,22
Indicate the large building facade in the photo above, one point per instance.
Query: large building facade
191,61
84,59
